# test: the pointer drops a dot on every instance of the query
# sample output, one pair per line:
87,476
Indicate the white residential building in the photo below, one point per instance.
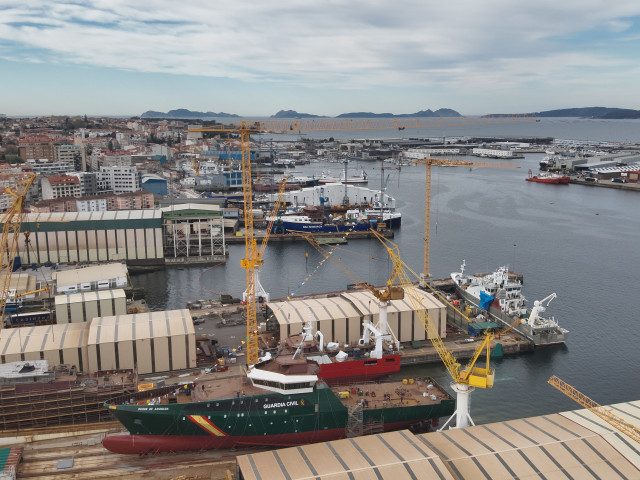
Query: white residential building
119,179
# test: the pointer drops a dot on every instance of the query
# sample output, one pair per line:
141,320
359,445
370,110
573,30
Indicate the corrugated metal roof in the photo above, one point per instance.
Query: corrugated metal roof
41,338
367,303
92,216
95,273
121,328
568,445
324,308
549,446
90,296
395,455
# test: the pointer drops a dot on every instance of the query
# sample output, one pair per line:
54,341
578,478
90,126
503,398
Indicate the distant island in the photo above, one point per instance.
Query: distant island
184,114
442,112
604,113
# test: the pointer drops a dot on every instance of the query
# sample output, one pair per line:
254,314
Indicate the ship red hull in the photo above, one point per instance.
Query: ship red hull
359,370
145,444
557,181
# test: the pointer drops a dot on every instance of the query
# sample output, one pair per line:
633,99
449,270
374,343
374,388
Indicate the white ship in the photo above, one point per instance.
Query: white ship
502,298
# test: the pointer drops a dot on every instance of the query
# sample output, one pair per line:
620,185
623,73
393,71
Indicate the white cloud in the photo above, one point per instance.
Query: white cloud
336,44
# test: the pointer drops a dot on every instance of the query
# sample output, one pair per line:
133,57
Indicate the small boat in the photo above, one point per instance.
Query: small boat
501,297
546,177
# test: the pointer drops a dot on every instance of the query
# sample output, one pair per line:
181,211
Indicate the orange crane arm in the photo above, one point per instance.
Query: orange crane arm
471,375
607,415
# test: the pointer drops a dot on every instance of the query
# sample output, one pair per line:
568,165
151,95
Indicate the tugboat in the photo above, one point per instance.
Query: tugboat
502,298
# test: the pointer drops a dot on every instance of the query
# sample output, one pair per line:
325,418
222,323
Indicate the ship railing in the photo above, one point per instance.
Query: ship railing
144,395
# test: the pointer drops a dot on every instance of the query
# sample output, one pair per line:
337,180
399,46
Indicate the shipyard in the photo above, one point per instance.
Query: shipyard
99,359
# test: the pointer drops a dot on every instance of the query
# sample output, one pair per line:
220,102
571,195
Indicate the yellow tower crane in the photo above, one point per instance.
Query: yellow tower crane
428,162
605,414
12,221
245,128
260,292
465,378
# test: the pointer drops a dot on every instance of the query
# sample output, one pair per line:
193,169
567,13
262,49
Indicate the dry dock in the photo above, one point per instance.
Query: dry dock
575,444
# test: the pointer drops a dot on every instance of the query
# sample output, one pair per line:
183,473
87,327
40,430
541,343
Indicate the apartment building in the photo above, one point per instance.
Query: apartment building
119,179
58,186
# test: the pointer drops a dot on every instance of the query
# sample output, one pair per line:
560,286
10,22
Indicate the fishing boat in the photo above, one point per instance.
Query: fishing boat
351,180
546,177
501,297
275,404
304,223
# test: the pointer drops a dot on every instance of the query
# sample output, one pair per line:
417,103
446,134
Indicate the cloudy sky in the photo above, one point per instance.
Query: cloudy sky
325,57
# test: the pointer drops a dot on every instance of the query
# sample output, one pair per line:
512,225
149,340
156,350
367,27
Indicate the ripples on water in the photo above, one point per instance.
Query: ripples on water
579,242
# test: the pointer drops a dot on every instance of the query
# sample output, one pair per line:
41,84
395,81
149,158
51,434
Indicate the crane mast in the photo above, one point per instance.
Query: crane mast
11,228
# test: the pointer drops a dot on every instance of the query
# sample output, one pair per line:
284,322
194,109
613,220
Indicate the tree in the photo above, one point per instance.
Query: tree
110,145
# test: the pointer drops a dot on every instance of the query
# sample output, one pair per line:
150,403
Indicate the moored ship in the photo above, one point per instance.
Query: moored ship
501,296
552,178
269,407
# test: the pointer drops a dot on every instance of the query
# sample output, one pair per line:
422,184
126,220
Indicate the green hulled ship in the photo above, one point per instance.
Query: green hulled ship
266,407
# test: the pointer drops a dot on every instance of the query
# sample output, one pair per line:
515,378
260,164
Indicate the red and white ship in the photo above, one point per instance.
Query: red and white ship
546,177
364,364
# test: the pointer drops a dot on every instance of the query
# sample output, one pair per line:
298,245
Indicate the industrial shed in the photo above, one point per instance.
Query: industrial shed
109,275
337,319
340,317
151,342
131,235
82,307
57,344
403,320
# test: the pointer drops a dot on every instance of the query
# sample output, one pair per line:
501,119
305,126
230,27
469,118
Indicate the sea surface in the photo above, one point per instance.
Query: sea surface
582,243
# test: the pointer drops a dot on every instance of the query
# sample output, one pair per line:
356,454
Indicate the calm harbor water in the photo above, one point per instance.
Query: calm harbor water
579,242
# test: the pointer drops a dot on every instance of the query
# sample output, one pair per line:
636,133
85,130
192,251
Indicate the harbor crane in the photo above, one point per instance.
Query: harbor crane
443,162
245,128
605,414
465,379
12,222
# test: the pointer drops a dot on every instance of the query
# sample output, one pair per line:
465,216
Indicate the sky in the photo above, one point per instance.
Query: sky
323,57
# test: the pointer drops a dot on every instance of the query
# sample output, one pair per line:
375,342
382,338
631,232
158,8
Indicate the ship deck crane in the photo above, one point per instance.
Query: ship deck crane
12,222
245,128
605,414
428,162
465,378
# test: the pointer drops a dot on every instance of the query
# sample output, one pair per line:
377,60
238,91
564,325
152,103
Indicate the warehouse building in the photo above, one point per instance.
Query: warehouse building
150,342
134,236
57,344
340,317
98,277
193,233
83,307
